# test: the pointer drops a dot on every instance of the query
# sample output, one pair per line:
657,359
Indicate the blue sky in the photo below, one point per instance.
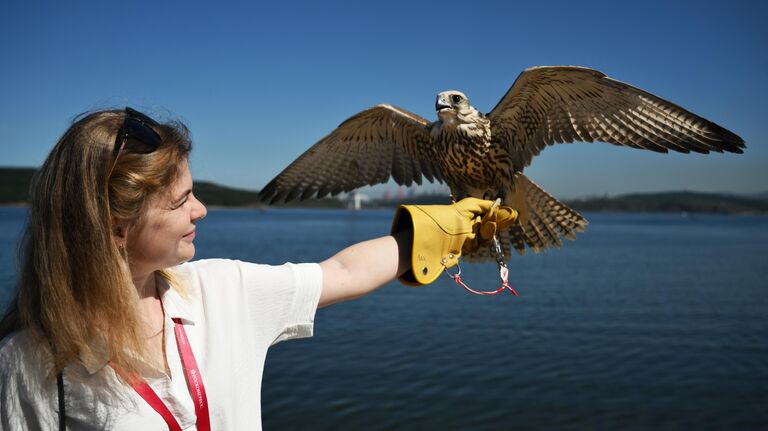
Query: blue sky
260,83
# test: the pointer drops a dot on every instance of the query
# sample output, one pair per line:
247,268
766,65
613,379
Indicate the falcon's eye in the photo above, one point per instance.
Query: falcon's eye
456,98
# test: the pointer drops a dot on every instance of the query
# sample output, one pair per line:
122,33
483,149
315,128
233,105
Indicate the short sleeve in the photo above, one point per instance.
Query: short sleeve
265,303
283,298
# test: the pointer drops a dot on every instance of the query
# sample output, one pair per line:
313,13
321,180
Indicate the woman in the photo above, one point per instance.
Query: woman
110,329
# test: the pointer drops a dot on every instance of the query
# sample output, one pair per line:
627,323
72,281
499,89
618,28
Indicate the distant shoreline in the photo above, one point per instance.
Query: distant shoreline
265,208
15,182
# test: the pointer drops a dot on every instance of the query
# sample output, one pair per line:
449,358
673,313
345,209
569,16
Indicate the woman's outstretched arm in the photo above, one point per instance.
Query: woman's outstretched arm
364,267
431,236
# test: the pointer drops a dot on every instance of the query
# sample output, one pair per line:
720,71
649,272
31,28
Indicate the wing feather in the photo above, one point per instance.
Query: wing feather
560,104
368,148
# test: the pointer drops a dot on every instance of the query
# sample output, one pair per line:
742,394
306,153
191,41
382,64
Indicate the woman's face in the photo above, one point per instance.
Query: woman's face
163,238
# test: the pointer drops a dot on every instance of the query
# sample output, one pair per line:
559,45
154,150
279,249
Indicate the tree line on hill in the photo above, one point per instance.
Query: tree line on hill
15,182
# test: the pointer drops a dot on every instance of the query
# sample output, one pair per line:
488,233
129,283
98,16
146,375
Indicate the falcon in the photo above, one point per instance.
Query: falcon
484,155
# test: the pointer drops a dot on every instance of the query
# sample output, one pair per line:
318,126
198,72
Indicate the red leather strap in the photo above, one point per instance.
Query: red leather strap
194,383
194,377
150,396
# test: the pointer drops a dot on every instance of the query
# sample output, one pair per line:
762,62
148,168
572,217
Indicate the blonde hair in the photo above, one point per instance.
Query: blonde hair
75,286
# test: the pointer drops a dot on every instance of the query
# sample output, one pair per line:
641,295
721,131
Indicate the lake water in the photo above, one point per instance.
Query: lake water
645,322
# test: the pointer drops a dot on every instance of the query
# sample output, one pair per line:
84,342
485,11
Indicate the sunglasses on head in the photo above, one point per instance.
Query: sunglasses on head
137,134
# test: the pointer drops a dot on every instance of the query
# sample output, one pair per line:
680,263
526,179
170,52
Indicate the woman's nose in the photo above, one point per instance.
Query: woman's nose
199,211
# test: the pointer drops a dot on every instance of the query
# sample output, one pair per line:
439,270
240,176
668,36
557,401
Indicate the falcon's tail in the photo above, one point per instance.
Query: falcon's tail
542,221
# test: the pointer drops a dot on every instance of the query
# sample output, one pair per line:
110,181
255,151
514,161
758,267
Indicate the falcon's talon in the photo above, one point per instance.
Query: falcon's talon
496,203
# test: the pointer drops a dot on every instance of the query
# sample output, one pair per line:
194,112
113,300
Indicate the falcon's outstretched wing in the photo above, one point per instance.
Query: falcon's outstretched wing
557,104
366,149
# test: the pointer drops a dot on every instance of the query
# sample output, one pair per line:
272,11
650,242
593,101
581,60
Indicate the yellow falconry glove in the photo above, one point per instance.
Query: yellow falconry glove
442,232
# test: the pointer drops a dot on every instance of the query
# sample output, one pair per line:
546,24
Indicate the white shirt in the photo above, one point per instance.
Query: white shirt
234,311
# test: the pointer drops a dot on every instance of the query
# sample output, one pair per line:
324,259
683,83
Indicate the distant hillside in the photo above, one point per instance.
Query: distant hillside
14,188
14,185
215,195
672,202
15,182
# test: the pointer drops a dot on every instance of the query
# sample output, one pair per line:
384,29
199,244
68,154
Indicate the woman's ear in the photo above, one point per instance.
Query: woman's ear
120,233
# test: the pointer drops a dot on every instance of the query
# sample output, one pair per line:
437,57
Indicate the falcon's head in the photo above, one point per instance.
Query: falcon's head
452,104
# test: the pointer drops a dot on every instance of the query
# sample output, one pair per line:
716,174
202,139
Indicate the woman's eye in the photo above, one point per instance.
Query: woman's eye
179,204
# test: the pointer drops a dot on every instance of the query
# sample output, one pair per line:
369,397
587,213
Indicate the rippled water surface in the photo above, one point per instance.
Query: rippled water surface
644,322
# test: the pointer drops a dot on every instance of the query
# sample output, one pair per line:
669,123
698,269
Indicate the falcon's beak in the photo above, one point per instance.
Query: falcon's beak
441,104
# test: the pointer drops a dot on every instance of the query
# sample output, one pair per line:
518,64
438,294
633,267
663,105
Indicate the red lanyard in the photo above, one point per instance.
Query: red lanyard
194,383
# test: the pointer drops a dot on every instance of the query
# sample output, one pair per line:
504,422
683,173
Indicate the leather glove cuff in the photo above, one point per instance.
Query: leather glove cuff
437,240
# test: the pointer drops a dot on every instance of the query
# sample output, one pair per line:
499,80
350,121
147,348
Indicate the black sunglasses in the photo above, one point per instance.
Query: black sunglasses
137,134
